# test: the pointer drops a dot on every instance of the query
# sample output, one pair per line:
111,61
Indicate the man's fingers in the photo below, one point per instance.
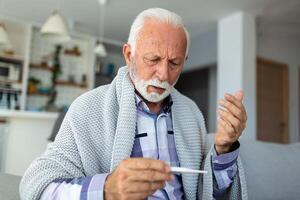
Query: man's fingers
137,178
234,100
234,105
227,127
239,95
146,164
238,113
145,186
229,118
149,175
229,135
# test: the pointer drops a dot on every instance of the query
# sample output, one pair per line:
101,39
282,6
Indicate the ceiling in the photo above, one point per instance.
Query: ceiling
199,15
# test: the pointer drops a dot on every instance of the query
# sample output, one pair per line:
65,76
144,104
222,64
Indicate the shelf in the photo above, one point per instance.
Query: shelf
28,115
11,59
8,81
73,52
10,90
64,83
71,84
39,94
41,66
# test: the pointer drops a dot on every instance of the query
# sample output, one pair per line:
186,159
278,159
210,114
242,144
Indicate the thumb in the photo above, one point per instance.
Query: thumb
239,95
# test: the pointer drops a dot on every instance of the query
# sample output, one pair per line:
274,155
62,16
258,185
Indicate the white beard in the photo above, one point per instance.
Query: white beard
154,97
142,85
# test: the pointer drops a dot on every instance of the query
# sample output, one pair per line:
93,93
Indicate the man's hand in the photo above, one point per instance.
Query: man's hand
232,121
136,178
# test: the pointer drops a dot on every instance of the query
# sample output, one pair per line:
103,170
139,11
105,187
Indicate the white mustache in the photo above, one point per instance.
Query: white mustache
157,83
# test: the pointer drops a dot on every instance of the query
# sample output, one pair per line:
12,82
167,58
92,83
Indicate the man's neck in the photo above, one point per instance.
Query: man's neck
153,107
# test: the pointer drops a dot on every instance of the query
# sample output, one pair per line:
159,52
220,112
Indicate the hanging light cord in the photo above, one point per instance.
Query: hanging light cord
101,20
1,6
58,6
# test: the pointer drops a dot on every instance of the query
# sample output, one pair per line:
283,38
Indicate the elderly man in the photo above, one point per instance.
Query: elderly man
119,141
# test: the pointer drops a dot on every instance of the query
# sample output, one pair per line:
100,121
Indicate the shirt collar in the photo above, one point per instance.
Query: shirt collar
141,104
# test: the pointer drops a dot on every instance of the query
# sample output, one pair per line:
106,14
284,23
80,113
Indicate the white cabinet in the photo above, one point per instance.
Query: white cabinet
23,137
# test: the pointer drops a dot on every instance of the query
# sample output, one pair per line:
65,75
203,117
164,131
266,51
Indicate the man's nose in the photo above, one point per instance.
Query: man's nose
162,71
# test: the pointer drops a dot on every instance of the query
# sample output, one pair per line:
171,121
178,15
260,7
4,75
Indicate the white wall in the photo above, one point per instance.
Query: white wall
284,47
237,62
203,50
115,56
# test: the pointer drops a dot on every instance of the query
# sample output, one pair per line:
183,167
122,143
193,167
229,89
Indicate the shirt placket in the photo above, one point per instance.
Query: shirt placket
160,132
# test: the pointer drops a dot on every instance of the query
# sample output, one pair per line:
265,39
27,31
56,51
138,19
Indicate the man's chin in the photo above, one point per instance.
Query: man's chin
155,97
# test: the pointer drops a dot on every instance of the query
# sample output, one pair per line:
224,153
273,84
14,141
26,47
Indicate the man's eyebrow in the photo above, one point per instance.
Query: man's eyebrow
176,59
153,55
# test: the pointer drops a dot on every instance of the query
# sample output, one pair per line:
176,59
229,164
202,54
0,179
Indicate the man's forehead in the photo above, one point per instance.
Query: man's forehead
155,25
158,34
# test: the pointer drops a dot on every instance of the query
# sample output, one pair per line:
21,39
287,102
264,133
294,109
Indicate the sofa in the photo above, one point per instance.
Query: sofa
272,172
9,187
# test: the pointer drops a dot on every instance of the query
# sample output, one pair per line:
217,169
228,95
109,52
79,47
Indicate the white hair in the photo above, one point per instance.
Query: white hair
160,14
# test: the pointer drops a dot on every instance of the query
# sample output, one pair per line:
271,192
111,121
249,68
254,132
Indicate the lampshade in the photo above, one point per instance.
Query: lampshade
55,28
100,50
4,41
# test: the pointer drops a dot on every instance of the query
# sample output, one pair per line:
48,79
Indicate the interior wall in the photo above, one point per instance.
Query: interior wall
114,56
236,62
203,54
285,47
203,51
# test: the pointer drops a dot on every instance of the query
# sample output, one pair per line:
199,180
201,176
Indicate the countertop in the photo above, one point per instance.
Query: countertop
28,114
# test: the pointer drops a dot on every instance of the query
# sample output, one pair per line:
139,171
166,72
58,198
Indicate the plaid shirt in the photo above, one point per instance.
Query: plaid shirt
154,139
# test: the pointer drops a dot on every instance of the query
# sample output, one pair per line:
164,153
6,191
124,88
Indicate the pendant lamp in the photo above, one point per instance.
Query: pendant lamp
100,49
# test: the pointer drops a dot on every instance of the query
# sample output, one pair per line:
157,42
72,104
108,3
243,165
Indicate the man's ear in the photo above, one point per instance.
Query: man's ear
127,53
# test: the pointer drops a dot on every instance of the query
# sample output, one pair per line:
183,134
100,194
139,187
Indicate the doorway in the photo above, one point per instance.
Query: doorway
272,101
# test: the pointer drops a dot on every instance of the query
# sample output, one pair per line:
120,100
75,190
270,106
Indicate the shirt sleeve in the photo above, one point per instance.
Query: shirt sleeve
224,169
89,188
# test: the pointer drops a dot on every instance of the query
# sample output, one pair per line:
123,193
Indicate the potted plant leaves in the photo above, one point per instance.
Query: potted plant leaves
33,85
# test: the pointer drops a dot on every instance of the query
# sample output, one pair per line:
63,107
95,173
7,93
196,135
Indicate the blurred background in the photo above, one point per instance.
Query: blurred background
53,51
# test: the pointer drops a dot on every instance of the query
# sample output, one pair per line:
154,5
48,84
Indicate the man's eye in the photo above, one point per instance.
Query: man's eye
152,61
174,64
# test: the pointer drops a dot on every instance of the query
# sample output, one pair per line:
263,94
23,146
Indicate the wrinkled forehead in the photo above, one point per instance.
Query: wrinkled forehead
156,35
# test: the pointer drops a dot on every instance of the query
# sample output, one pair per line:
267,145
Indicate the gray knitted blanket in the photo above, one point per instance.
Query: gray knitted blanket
98,132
